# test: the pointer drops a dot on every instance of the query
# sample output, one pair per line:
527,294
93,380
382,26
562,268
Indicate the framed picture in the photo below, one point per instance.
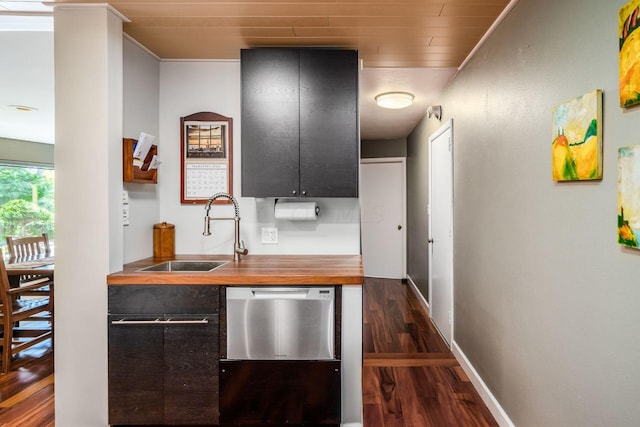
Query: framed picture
576,150
629,54
629,196
206,157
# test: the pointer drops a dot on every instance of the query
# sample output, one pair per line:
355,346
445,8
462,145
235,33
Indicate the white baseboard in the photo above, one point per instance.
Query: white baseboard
487,397
422,298
351,425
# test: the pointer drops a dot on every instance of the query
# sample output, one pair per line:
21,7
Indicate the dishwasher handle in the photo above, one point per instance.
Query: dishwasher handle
274,293
280,293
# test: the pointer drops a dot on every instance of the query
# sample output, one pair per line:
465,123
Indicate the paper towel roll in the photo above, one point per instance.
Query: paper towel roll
297,211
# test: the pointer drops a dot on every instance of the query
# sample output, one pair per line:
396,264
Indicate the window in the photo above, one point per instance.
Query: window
26,202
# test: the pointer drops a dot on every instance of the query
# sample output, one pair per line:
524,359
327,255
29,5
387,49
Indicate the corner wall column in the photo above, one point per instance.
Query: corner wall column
88,238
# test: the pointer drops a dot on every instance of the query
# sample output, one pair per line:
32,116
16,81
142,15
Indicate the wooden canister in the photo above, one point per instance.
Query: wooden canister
164,240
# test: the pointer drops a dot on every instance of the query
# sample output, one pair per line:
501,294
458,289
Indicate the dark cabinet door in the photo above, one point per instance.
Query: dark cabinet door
136,372
270,123
191,371
329,123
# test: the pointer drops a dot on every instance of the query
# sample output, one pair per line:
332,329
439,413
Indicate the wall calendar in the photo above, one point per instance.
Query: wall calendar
206,151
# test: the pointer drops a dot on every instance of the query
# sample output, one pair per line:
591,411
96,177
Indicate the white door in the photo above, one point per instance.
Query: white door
441,230
382,209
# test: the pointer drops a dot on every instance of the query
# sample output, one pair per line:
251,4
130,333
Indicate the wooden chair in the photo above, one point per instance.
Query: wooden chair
26,249
29,247
15,310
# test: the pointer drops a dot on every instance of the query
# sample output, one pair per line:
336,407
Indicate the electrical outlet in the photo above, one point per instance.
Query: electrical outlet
269,235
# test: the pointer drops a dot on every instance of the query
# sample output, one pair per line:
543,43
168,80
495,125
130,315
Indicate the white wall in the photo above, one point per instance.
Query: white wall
141,94
546,301
190,87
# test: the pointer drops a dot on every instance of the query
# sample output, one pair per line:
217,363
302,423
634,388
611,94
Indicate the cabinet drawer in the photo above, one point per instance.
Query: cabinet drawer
166,299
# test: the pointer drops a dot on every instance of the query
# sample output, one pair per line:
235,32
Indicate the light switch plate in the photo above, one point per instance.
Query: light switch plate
270,235
125,208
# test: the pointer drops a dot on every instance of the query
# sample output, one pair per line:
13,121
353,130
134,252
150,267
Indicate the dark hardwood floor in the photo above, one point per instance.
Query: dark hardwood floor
410,378
26,393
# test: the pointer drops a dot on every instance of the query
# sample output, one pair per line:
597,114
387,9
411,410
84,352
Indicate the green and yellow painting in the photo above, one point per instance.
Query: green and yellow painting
576,150
629,45
629,196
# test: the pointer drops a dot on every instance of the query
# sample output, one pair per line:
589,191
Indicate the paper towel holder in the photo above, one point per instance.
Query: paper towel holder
293,201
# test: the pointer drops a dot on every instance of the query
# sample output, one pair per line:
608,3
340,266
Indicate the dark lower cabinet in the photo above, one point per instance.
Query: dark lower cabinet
280,392
163,368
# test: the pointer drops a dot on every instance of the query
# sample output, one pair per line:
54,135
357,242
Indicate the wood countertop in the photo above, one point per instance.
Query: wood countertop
251,270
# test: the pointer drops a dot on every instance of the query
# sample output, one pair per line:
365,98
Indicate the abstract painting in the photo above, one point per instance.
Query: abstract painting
576,150
629,196
629,55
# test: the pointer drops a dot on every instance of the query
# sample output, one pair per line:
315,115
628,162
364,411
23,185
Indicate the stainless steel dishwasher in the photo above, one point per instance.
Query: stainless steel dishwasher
267,323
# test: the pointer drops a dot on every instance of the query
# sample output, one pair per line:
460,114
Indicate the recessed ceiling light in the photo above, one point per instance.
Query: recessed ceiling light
23,107
394,100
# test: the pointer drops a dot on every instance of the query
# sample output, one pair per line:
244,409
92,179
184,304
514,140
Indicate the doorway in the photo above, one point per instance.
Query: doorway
441,230
383,217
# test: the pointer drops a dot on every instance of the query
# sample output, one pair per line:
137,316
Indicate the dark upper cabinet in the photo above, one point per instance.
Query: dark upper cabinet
299,122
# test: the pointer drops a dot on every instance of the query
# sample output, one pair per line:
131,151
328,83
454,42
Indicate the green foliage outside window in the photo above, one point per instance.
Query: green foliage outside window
26,202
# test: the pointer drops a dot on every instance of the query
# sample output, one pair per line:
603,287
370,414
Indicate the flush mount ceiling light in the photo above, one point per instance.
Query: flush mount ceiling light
394,100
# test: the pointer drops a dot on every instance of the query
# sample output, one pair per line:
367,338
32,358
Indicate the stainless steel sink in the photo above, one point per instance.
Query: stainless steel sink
182,266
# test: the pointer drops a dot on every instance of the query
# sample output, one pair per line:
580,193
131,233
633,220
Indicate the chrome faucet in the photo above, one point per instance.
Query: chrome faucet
238,246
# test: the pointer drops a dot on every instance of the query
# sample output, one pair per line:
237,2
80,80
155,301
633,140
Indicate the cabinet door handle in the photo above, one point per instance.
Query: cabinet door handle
294,192
159,322
304,193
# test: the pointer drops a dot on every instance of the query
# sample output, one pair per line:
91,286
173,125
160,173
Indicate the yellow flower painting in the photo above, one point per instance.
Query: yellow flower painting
629,196
576,148
629,44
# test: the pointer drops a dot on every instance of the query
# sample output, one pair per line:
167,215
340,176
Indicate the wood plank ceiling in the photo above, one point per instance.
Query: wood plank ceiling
387,33
413,46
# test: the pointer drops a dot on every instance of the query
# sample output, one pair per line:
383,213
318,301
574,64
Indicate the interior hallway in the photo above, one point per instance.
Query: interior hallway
410,377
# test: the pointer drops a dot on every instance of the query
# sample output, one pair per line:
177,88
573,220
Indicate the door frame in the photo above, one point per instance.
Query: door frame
448,126
403,193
